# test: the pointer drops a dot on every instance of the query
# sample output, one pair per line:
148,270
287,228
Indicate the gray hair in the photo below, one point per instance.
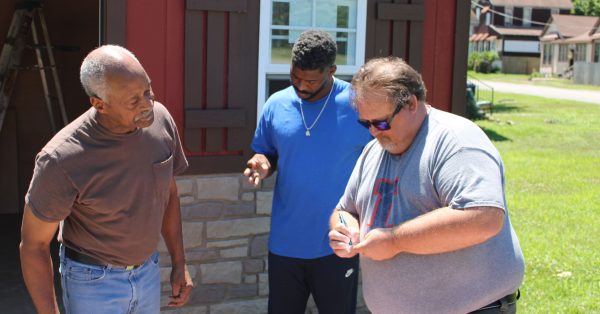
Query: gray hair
97,64
390,75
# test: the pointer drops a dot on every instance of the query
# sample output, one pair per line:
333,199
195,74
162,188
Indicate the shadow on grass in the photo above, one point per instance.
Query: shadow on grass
505,105
494,136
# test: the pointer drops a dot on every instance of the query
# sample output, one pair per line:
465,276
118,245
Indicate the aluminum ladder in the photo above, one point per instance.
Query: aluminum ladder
24,22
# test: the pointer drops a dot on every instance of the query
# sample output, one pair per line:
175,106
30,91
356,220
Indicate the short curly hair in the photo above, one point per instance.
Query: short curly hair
314,49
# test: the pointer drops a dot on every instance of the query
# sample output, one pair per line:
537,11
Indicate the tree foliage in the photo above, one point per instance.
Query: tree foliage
586,7
482,62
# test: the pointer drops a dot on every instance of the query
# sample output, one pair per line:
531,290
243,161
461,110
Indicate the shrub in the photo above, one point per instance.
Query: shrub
482,62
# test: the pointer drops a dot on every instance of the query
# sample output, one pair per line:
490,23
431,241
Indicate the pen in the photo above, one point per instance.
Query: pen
343,221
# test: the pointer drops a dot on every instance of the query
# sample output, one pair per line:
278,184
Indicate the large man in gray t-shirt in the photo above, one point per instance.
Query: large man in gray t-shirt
425,205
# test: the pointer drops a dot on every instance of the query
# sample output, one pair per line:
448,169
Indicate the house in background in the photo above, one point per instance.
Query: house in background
213,64
512,29
571,48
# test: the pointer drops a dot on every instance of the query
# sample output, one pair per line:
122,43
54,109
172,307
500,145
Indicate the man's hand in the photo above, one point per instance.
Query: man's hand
182,285
340,238
378,244
258,168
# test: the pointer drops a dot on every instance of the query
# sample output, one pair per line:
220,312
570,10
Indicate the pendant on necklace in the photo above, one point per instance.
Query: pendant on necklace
307,133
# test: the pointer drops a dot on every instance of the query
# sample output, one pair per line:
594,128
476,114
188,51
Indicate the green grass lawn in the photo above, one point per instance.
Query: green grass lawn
551,151
527,79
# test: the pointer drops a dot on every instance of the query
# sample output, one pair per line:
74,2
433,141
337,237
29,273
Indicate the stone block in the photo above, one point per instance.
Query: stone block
165,273
218,188
237,227
259,246
185,186
311,305
238,210
222,272
263,284
253,266
235,252
203,211
186,200
201,255
266,260
264,202
203,294
241,307
161,247
269,183
242,291
248,196
192,234
247,185
250,279
227,243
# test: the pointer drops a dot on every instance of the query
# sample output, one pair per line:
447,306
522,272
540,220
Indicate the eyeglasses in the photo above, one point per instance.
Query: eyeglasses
381,125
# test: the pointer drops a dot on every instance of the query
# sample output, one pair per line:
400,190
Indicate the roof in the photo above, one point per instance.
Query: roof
582,38
549,37
561,4
517,31
568,26
482,37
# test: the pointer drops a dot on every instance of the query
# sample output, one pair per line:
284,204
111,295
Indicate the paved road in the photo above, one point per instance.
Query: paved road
548,92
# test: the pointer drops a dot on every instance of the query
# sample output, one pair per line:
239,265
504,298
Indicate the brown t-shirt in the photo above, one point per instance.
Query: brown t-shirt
110,189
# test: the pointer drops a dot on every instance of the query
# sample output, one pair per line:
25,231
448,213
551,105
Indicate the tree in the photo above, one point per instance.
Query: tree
586,7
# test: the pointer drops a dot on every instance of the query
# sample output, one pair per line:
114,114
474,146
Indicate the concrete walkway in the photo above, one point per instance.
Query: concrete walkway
547,92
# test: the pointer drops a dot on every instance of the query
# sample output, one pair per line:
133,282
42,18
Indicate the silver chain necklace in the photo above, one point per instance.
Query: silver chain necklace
307,133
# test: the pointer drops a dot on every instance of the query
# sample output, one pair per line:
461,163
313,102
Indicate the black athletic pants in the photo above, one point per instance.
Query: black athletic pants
331,280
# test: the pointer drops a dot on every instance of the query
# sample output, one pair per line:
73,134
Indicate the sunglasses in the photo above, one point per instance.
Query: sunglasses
381,125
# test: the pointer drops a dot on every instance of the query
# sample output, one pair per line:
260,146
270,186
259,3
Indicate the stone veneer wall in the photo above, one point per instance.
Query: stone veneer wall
225,229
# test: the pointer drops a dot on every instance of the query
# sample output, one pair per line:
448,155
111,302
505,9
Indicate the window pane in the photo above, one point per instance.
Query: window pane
281,46
281,13
346,43
341,14
301,13
289,18
276,84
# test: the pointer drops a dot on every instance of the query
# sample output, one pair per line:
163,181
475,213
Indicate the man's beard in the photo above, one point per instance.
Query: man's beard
310,95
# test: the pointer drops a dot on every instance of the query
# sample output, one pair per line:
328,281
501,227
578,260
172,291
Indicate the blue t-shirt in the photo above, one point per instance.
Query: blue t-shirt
312,171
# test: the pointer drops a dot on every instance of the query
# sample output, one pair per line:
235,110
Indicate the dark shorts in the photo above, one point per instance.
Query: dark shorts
506,305
331,280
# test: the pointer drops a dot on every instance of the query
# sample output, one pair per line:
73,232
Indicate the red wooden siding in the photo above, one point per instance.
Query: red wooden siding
155,33
438,50
221,67
202,56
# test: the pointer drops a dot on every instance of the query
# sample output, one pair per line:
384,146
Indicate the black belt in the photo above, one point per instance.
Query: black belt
86,259
505,301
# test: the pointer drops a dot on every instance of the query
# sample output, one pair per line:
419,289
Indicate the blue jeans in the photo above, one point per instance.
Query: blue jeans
104,289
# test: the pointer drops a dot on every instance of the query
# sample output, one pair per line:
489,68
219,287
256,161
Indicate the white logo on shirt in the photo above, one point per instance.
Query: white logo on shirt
349,272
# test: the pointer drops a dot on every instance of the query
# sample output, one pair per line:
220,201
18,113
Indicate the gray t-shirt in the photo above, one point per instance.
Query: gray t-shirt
450,163
110,189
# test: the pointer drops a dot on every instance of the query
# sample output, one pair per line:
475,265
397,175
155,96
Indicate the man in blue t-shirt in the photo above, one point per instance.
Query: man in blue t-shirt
309,132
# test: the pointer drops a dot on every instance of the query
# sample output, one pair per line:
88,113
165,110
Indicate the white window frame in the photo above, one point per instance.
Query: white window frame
266,68
527,16
508,15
